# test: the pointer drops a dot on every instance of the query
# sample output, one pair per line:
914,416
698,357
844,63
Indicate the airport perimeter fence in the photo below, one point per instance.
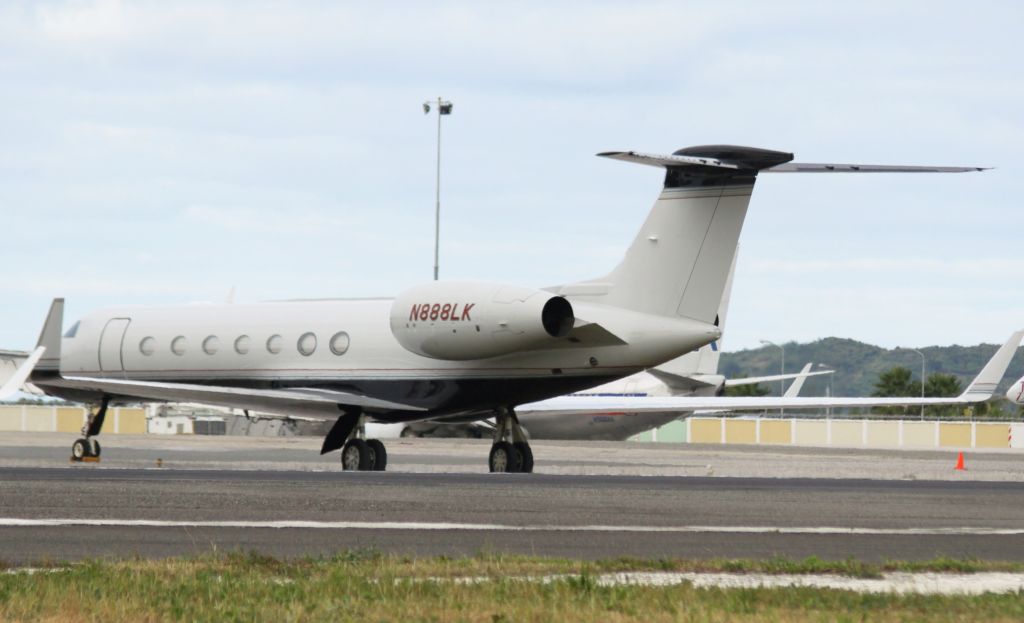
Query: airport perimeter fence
842,433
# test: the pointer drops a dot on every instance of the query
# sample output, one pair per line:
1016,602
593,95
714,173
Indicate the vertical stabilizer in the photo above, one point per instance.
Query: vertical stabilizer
704,361
678,264
50,337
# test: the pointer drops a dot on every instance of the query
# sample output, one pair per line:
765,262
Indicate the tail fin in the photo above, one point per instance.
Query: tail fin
679,262
50,337
798,383
13,385
984,385
704,361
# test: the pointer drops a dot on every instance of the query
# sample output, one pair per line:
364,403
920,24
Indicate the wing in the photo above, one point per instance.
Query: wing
309,402
980,389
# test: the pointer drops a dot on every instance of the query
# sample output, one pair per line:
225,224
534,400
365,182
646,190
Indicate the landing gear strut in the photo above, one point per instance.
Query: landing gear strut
511,450
357,452
87,448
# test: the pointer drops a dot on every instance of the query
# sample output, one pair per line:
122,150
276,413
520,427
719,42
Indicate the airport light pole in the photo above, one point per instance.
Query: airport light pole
444,107
922,377
782,368
828,390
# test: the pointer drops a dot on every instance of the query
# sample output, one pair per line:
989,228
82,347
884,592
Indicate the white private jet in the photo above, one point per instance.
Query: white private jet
464,350
1016,392
979,390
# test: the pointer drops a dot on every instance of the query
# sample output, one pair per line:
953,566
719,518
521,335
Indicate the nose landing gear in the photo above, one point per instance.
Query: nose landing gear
87,449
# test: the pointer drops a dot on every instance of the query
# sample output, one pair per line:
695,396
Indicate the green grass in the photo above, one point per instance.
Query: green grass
367,586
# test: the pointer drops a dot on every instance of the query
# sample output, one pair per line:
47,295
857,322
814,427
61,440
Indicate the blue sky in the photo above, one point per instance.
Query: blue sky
160,152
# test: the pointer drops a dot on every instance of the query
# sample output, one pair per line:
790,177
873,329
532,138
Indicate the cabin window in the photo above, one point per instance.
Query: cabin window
339,343
179,345
274,344
147,346
211,344
243,344
307,344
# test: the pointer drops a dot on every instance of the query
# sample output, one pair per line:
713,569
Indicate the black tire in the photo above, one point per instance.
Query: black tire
527,455
380,454
356,456
79,449
94,447
505,458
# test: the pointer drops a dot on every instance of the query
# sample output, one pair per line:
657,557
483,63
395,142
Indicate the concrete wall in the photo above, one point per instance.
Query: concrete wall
53,419
842,433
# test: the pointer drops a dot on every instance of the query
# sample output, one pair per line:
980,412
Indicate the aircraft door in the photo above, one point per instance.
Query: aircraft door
111,343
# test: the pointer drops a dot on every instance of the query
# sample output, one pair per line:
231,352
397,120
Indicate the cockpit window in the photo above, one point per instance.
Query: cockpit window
73,330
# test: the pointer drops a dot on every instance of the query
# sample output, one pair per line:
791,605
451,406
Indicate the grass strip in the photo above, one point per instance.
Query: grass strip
368,586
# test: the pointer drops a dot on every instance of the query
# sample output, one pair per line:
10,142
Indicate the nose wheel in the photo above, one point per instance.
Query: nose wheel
511,452
87,448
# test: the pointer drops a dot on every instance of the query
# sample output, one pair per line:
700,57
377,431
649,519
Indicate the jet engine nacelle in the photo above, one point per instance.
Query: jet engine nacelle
473,320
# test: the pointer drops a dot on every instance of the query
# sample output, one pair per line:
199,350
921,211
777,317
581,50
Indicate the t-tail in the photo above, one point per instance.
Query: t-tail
678,263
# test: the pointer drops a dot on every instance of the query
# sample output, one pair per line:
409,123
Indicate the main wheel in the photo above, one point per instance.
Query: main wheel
79,449
527,454
380,454
356,456
505,458
94,447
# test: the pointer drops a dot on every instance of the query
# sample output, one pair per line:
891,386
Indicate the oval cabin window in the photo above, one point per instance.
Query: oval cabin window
147,346
179,345
339,343
211,344
274,344
243,344
307,344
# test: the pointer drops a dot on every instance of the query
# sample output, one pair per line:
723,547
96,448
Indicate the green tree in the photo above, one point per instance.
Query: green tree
897,382
749,389
941,385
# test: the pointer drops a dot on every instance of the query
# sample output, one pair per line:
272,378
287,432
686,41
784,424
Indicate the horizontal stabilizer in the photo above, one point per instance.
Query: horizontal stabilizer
811,167
678,382
707,157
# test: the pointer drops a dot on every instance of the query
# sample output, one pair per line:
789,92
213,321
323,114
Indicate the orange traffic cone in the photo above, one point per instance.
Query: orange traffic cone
960,463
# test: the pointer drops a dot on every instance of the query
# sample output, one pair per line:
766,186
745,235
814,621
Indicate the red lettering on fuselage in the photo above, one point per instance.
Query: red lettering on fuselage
450,312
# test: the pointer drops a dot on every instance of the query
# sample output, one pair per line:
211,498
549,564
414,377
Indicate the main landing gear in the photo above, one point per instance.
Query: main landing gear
364,455
357,452
87,448
511,450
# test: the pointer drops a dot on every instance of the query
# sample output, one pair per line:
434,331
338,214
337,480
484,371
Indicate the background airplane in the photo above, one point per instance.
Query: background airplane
979,390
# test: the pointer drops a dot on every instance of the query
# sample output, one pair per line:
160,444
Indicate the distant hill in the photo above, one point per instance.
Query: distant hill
858,364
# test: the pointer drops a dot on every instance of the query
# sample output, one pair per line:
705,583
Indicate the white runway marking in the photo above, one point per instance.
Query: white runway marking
13,522
896,582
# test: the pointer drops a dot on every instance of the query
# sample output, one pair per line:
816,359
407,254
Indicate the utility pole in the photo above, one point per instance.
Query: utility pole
444,107
782,370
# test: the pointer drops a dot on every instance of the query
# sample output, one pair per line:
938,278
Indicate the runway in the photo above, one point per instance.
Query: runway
162,512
